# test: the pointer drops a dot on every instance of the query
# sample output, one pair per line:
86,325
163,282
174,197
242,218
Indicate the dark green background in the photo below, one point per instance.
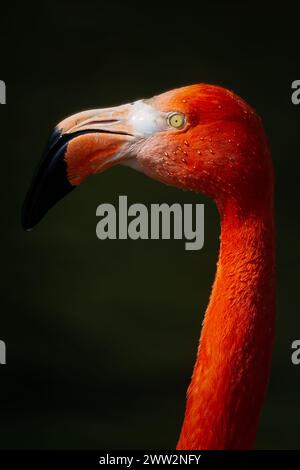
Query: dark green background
102,336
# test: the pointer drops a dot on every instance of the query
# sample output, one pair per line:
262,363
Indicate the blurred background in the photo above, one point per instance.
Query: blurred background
102,336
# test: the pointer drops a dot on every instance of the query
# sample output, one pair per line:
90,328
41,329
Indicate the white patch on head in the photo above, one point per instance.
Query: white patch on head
146,120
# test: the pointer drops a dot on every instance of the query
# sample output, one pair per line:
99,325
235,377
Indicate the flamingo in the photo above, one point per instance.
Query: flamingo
203,138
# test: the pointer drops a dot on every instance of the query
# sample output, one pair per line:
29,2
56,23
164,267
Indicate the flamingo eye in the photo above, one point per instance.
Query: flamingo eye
176,120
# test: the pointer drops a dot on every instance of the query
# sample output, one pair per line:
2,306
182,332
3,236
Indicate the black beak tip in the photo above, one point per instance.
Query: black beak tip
50,183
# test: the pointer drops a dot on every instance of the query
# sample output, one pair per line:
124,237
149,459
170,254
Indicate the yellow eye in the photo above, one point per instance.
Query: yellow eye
176,120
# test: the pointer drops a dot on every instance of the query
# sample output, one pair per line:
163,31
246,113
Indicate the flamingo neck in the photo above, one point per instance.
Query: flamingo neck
231,372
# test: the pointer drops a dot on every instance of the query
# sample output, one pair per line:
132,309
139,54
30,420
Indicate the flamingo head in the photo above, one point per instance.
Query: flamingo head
200,137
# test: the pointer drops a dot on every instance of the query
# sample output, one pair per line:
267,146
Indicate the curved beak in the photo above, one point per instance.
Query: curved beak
83,144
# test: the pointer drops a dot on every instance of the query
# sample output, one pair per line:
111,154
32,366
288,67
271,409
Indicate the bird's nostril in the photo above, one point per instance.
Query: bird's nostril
104,121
